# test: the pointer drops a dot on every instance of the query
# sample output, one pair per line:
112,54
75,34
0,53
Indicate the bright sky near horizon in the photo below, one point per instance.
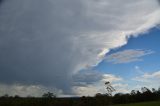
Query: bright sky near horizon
72,47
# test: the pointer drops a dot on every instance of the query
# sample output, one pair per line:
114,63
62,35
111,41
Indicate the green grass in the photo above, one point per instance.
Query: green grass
154,103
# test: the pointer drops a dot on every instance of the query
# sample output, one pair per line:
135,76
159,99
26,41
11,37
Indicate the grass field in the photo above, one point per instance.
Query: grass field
155,103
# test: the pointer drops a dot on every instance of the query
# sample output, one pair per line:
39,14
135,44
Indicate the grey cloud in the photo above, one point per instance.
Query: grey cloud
45,42
159,1
1,1
86,77
88,83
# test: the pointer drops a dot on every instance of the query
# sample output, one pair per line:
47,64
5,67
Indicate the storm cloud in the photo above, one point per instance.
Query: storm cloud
46,42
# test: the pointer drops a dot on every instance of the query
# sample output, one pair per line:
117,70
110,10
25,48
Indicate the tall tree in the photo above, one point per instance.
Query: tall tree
109,88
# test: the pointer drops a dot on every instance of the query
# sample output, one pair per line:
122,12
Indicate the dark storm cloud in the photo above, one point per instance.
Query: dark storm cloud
1,1
45,42
159,1
28,44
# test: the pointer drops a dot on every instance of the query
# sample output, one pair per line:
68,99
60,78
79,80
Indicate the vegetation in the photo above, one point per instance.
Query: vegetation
49,99
154,103
48,95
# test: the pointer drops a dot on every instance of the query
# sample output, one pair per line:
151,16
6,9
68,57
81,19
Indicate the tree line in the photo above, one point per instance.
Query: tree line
50,99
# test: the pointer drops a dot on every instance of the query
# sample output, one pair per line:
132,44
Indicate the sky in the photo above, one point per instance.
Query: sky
72,47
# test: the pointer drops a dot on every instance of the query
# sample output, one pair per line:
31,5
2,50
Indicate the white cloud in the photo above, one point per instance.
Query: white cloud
117,82
121,88
98,86
127,56
47,41
89,90
150,80
148,76
141,79
111,78
152,75
26,90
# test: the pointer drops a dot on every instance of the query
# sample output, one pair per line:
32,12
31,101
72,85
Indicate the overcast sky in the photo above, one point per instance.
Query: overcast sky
71,46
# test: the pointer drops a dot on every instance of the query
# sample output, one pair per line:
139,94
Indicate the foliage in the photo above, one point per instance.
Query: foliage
48,99
154,103
48,95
